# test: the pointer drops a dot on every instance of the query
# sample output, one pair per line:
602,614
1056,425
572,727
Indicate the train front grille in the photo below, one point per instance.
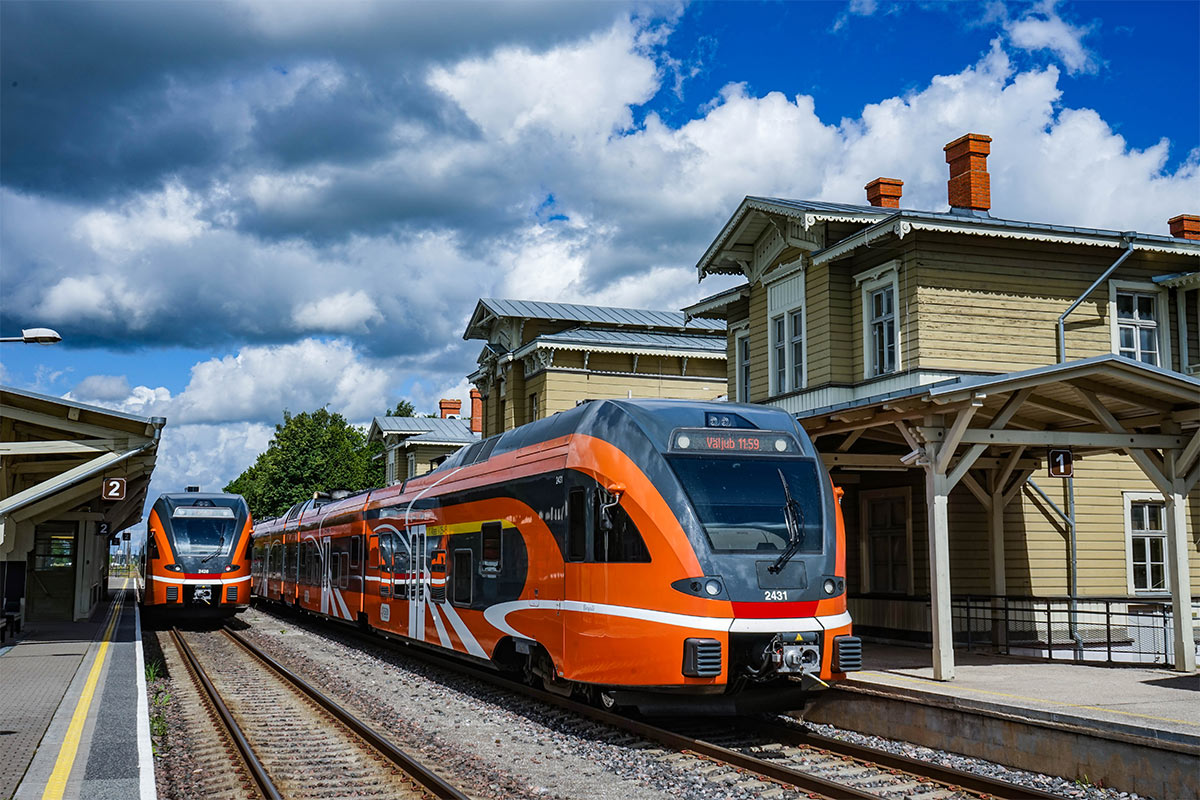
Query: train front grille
847,654
701,658
172,594
231,594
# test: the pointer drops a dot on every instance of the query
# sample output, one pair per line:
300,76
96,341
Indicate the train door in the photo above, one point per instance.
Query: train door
326,572
418,573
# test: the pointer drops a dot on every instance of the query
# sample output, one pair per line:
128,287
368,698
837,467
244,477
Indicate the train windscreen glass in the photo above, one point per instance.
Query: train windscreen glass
200,529
742,502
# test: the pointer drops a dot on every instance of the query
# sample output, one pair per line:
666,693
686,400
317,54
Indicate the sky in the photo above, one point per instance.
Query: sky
229,209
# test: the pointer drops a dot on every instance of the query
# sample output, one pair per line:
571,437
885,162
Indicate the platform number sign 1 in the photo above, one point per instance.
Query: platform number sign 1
113,489
1061,464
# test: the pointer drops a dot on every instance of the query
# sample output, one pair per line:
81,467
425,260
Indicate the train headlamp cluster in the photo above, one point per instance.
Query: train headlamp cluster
706,586
712,587
173,567
829,586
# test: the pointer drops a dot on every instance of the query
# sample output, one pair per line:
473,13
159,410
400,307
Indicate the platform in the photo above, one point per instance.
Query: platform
73,707
1134,729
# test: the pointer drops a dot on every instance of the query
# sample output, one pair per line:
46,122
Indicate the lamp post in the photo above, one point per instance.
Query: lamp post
34,336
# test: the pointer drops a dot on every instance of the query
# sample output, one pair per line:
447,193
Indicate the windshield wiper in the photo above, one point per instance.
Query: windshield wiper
793,514
217,552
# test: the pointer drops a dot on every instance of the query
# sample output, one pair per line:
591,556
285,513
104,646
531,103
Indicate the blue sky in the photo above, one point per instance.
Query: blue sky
258,206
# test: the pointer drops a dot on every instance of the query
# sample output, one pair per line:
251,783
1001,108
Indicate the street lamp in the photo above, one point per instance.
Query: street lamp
34,336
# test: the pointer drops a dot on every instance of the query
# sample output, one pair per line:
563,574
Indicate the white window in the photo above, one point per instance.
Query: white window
742,343
391,458
1138,313
779,355
412,464
1146,543
785,306
881,321
796,326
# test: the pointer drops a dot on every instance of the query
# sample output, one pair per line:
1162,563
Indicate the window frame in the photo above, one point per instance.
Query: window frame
779,343
1128,499
1162,320
468,575
887,276
865,498
533,406
798,371
742,364
487,565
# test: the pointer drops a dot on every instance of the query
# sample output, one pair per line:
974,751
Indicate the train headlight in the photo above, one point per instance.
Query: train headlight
830,586
683,441
712,587
781,445
173,567
231,567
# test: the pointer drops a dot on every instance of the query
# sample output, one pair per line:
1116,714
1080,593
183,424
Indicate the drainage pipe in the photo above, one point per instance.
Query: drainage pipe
1127,237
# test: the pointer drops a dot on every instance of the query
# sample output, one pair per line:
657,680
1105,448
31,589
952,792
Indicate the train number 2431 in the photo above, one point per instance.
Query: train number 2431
774,594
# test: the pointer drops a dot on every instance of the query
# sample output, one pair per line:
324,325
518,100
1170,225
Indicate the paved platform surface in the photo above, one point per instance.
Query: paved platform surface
73,720
1154,703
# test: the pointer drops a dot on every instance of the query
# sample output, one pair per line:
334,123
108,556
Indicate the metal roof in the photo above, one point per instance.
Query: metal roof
716,302
627,338
81,406
460,437
443,429
1140,384
881,220
572,312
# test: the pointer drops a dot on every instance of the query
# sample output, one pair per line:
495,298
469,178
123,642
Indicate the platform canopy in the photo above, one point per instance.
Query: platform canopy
991,432
55,455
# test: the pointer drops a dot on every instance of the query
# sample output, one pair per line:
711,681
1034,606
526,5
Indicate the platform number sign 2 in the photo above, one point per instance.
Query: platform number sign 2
1061,464
113,489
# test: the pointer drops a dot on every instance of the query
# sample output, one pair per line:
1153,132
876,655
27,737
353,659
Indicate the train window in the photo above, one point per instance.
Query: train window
385,552
490,552
618,541
302,564
742,502
335,566
577,524
314,564
461,576
355,551
344,578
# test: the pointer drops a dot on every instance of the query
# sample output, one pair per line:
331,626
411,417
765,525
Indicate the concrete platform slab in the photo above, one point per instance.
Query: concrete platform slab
1131,728
79,692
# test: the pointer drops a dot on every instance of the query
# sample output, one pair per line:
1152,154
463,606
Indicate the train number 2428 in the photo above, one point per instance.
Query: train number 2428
774,594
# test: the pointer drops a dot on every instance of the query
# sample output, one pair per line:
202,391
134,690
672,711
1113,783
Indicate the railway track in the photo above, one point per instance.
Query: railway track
285,739
770,748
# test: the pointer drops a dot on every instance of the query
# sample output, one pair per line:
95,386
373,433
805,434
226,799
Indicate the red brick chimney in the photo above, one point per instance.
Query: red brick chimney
449,408
970,186
1185,226
476,411
884,192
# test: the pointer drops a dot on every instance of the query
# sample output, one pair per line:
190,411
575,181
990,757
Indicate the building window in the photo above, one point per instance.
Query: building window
1137,326
785,307
412,464
1146,543
1138,313
796,320
533,407
886,541
881,322
779,355
743,368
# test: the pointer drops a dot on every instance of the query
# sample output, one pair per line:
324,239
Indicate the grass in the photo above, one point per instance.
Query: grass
159,701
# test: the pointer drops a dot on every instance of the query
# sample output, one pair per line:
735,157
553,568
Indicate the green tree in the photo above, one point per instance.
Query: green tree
403,409
315,451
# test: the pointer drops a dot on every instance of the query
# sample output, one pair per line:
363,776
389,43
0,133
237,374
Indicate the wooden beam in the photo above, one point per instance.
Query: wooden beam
850,440
954,435
91,446
1055,438
1131,398
1137,452
1064,409
57,423
1189,454
1006,471
1015,489
54,465
877,461
977,490
63,479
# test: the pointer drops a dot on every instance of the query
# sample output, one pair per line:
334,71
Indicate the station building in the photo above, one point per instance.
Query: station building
541,358
940,360
59,506
415,445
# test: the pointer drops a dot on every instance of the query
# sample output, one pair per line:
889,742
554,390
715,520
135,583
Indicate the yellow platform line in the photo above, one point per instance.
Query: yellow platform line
57,785
909,679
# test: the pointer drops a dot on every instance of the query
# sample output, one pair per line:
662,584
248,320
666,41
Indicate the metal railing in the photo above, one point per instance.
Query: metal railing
1101,630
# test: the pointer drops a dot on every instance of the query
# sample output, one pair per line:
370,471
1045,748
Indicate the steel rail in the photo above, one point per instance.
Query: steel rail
415,769
947,776
950,776
257,771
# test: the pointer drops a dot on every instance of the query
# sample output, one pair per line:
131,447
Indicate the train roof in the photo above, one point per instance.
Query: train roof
190,498
656,418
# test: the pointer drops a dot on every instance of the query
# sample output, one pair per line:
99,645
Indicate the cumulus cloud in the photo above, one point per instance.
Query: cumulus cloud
105,388
344,312
1041,28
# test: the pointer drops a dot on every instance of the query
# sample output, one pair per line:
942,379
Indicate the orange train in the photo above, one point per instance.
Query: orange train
664,554
197,557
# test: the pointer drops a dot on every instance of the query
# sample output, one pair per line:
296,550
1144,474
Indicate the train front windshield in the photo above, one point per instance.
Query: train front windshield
742,502
200,530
